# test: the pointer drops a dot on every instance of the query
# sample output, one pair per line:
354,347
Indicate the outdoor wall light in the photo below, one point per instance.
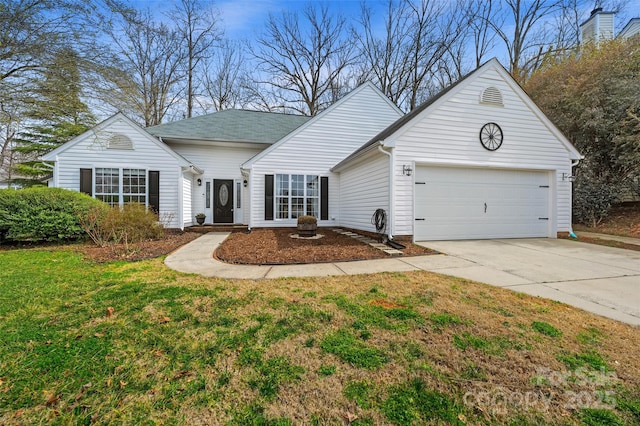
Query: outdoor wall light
567,176
199,182
245,183
406,170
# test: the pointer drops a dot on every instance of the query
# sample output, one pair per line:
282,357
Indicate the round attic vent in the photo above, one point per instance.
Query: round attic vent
119,141
492,96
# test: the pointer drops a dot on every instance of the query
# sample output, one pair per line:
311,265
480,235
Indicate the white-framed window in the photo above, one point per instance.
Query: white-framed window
296,195
117,186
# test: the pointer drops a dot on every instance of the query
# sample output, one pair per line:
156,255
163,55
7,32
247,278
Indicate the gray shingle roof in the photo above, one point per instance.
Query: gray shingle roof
232,125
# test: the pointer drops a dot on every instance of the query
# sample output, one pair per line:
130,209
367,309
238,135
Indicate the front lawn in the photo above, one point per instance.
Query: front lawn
131,343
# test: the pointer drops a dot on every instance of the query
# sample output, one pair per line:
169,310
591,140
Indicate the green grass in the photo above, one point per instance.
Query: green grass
361,392
546,329
496,345
442,320
415,403
348,348
590,359
599,417
183,349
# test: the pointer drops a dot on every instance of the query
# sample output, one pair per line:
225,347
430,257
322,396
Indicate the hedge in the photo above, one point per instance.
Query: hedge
43,214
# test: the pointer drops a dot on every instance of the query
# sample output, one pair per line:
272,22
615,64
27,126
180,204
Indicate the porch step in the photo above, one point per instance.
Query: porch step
203,229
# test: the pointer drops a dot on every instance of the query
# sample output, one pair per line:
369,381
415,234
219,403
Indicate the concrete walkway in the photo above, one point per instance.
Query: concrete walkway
197,258
599,279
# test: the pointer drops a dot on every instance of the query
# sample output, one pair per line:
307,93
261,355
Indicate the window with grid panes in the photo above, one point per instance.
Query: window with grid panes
121,186
296,195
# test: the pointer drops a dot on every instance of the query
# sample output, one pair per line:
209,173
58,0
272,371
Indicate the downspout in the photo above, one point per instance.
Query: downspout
391,191
571,233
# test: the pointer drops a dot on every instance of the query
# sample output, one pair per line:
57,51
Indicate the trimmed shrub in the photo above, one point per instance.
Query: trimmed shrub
43,214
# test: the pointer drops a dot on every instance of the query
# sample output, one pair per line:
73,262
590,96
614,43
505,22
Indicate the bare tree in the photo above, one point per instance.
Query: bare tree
197,24
34,34
303,60
383,59
417,36
434,28
529,39
480,27
151,55
225,77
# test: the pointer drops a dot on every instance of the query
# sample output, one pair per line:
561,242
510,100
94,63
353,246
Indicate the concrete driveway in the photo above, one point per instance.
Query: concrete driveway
599,279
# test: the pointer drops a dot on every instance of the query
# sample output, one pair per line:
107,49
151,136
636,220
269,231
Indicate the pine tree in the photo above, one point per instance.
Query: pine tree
57,115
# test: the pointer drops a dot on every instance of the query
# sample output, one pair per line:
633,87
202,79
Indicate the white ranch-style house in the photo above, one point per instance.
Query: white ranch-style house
479,160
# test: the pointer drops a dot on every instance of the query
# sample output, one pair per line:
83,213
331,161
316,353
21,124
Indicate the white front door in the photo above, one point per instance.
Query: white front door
470,203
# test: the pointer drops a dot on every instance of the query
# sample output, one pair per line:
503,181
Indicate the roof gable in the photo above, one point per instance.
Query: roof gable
232,125
346,100
404,122
103,127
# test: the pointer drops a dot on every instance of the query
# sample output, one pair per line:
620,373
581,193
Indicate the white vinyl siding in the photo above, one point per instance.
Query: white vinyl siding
187,212
217,162
447,134
91,152
364,188
321,144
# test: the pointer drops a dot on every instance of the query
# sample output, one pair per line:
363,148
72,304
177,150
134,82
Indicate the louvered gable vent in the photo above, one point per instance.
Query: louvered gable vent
492,96
119,141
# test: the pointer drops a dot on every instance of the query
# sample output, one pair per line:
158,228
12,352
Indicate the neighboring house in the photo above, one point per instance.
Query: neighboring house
600,27
480,160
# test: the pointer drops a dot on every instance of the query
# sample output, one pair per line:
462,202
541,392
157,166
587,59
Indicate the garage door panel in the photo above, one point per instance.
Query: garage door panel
457,203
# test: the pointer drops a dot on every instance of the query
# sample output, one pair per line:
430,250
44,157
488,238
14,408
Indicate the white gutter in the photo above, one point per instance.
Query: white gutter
390,219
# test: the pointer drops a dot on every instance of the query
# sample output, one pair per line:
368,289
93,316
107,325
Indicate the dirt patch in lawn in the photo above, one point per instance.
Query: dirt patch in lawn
275,246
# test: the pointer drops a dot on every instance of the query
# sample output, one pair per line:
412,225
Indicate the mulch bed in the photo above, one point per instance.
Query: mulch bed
276,247
139,251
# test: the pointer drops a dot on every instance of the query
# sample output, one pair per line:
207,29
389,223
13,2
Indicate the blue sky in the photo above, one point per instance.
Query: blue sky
243,19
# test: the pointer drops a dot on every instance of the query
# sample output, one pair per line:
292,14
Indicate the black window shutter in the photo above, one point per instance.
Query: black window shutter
268,197
154,191
86,184
324,198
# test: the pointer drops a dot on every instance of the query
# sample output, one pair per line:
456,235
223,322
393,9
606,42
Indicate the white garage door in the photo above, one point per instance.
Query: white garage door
466,203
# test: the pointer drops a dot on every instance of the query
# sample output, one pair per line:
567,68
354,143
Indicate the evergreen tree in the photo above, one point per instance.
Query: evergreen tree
57,115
